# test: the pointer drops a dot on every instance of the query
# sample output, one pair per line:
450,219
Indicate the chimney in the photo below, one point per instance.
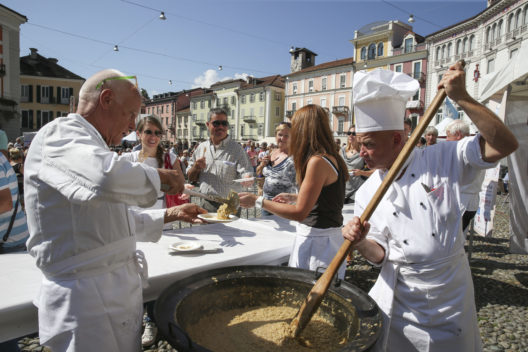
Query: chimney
301,58
33,53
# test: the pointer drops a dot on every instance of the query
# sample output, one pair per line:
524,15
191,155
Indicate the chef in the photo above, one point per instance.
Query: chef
424,289
82,232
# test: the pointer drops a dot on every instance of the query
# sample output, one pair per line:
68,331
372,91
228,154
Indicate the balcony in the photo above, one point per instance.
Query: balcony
340,110
289,113
414,104
198,121
249,119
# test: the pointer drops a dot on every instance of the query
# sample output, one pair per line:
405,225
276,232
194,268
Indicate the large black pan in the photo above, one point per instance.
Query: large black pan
347,307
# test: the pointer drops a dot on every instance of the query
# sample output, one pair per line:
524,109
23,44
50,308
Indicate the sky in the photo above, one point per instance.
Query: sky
244,37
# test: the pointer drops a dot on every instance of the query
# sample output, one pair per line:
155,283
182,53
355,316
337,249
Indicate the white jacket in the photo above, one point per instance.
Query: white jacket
425,289
83,235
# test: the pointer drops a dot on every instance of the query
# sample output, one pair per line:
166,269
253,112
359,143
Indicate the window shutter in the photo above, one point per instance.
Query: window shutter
38,94
71,93
30,88
51,100
38,119
59,96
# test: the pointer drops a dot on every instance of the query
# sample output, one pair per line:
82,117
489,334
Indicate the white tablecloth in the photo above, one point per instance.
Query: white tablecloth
243,242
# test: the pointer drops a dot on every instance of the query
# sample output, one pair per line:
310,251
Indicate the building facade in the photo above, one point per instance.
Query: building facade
486,41
201,103
47,91
328,85
10,22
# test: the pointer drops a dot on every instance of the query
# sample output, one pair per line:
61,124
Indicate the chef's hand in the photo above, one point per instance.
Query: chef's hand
454,82
186,212
247,200
172,181
354,232
287,198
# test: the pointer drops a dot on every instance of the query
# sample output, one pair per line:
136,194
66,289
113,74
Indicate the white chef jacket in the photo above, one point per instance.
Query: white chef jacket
83,235
425,289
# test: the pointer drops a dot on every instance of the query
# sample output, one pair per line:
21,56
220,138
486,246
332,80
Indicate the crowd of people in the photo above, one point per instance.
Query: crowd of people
115,197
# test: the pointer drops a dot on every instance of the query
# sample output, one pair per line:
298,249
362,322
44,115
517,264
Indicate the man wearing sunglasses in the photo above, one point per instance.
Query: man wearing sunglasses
218,161
83,230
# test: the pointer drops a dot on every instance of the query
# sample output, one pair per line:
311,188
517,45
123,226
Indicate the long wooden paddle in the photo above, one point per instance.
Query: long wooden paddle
316,295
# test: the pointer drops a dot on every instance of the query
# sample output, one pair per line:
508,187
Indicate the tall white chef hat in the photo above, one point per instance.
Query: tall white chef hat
379,99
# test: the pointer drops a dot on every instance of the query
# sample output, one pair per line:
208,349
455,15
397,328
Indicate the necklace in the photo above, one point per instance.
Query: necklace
142,157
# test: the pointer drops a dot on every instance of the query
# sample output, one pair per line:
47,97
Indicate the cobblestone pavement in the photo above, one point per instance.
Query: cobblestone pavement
501,290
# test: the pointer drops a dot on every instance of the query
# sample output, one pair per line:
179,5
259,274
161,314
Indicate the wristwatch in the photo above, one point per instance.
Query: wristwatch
258,202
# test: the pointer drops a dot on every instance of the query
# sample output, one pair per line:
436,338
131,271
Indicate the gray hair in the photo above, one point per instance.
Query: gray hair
458,126
431,130
216,111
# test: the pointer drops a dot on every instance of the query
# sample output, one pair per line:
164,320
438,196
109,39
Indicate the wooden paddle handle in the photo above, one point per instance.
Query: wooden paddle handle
316,295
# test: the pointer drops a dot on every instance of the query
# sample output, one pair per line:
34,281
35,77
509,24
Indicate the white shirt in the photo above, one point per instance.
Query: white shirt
83,234
425,289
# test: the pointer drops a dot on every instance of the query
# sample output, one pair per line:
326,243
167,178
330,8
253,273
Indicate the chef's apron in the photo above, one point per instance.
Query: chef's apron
313,248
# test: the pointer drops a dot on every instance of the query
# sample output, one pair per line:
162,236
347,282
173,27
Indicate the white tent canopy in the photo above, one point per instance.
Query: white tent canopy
132,137
513,78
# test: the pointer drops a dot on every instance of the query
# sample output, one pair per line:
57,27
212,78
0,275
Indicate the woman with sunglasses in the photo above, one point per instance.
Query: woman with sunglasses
277,167
355,165
321,175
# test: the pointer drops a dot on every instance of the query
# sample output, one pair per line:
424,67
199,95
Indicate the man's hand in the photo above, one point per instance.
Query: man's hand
354,231
186,212
197,167
172,181
454,82
247,200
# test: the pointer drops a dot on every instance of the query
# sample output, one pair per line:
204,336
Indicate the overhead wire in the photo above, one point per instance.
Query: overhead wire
408,12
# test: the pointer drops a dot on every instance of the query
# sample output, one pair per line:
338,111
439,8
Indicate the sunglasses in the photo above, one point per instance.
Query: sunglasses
351,133
217,123
100,84
149,132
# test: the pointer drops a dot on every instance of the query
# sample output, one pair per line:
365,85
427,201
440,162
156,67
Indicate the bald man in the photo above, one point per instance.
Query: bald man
82,232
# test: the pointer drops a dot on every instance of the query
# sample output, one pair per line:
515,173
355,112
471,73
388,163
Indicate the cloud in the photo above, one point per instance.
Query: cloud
211,76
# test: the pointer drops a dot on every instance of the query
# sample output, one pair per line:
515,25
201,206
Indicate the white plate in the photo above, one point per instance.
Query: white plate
247,179
186,246
212,217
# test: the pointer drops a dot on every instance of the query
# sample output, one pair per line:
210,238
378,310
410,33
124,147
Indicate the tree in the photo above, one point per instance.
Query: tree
144,94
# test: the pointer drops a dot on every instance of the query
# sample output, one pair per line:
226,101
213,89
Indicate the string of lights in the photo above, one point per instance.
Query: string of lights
411,16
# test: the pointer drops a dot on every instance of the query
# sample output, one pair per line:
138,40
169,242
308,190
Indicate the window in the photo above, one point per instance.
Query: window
409,45
310,86
162,109
225,100
194,105
202,104
416,96
449,51
277,111
488,35
294,106
242,132
510,23
278,96
499,30
417,69
243,99
323,83
493,29
209,103
459,47
194,117
233,100
323,102
27,119
25,92
491,65
363,53
341,125
167,109
398,68
372,51
341,101
252,98
444,52
260,130
294,88
465,45
525,15
438,53
380,49
471,43
309,101
43,117
261,96
342,81
45,95
518,19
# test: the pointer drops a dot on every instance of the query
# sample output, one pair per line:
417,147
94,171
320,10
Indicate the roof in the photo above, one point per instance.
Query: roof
16,13
44,67
227,81
294,50
330,64
466,20
275,80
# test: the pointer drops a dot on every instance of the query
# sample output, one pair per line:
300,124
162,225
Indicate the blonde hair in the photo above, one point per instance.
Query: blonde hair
15,153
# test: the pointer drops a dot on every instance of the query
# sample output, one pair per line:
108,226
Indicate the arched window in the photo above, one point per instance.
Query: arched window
464,45
459,47
510,23
449,47
471,43
363,53
525,21
380,49
438,52
499,30
444,52
493,31
488,35
518,19
372,51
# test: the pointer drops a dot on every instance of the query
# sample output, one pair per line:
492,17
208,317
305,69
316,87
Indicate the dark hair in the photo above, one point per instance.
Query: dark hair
153,120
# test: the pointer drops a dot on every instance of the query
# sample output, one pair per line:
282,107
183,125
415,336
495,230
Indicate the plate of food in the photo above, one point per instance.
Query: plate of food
186,246
213,217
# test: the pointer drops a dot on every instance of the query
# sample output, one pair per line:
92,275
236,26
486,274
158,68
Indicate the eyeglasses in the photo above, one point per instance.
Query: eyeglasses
100,84
217,123
351,133
149,132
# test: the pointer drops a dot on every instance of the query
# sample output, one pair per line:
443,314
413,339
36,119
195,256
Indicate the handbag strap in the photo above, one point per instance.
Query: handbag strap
6,236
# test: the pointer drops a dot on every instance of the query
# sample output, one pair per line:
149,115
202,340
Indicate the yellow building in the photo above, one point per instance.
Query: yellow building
48,90
200,105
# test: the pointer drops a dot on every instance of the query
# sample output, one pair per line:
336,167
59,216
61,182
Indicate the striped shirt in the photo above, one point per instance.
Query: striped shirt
19,233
